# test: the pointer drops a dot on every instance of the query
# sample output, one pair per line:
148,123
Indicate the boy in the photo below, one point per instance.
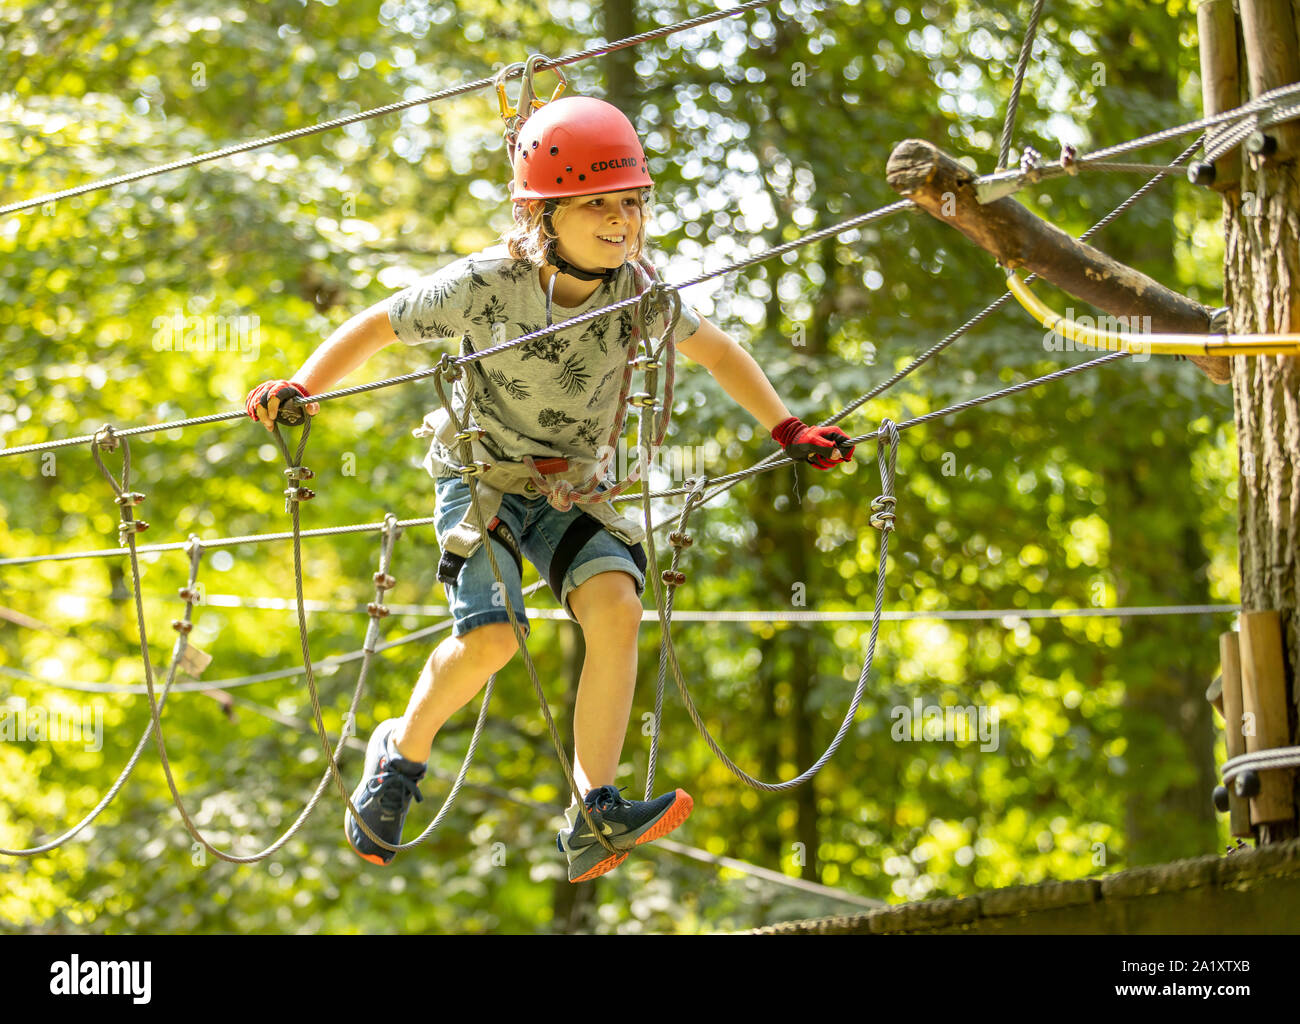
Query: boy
580,191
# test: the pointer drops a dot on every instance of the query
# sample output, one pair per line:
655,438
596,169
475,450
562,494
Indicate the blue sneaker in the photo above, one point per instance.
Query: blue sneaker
625,823
383,797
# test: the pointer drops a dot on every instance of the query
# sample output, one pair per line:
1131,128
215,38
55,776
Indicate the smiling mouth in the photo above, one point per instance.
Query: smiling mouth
613,239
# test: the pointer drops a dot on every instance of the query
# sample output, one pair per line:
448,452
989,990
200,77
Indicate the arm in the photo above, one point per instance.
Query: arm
737,372
351,344
743,379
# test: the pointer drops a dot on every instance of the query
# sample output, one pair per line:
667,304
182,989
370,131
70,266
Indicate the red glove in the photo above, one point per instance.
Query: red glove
813,444
265,403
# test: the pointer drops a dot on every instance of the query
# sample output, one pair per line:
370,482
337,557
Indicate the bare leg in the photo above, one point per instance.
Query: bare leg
609,611
456,671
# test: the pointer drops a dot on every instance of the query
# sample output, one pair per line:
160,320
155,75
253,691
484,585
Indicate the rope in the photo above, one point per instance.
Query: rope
390,108
834,230
195,554
1008,125
671,846
883,519
1261,760
741,615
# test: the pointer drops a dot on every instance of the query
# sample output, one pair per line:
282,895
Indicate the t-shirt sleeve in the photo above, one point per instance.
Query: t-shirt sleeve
432,308
687,323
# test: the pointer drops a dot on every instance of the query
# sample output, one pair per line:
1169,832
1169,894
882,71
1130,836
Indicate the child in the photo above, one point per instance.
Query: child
580,192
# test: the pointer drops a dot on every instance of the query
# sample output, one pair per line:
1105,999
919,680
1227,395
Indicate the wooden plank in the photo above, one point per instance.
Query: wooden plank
1263,699
1230,656
1273,60
1220,81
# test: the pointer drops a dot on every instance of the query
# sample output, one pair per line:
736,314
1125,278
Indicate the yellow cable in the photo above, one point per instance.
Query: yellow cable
1153,344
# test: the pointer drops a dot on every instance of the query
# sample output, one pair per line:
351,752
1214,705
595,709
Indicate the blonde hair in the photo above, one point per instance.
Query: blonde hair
528,238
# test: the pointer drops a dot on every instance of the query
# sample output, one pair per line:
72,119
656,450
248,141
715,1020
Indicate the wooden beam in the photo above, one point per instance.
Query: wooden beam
1233,736
1017,238
1220,83
1263,698
1273,60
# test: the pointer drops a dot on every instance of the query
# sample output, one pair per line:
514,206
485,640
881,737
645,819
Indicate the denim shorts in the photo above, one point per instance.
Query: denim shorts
476,600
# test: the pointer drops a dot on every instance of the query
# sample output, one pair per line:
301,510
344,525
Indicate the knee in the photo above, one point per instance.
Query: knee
607,603
490,646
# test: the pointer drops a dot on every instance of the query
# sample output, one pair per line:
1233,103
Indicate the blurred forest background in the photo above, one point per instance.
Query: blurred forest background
1113,488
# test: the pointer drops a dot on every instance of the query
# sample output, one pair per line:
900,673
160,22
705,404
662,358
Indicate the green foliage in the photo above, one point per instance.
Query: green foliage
1114,487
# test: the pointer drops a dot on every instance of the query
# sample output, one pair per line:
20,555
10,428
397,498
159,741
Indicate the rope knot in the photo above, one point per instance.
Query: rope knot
561,496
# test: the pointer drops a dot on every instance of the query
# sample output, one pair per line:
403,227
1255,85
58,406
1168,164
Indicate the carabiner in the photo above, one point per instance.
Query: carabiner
499,80
527,90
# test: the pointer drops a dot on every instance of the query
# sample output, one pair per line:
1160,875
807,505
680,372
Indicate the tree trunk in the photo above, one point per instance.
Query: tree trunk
618,19
1262,275
1261,282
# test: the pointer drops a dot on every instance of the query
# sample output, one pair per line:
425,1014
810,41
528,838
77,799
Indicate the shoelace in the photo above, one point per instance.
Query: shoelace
605,798
390,795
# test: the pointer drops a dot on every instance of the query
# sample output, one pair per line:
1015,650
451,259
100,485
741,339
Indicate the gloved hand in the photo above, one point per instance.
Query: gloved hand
264,403
813,444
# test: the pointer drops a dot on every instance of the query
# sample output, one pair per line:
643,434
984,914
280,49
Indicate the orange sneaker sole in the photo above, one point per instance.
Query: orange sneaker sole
676,814
374,858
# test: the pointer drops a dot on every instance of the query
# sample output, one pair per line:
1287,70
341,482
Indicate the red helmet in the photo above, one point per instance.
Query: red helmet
578,146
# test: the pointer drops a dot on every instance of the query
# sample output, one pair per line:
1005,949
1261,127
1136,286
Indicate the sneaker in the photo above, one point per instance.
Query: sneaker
383,797
626,823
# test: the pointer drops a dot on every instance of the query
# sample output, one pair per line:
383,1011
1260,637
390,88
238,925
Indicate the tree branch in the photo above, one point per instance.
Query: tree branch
946,190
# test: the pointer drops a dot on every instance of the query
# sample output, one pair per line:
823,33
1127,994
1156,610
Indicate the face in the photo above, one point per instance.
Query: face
598,231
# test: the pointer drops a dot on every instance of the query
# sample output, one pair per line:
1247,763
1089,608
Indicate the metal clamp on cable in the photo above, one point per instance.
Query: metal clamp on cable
882,510
131,526
105,438
448,369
